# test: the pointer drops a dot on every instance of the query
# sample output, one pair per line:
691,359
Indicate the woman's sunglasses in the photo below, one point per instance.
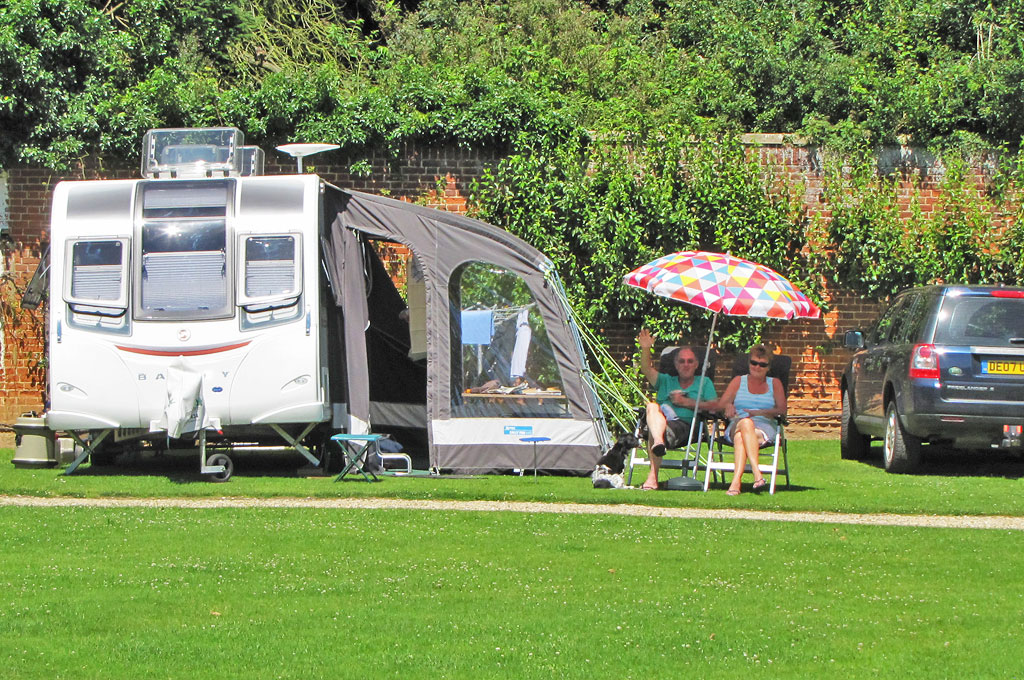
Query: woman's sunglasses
762,364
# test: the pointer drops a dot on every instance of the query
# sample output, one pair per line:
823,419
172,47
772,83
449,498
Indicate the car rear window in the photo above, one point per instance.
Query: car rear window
974,320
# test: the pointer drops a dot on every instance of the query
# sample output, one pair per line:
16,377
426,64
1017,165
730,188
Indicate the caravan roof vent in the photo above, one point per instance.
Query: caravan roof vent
252,161
190,153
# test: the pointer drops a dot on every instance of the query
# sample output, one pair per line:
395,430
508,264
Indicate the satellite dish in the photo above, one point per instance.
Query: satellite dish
300,151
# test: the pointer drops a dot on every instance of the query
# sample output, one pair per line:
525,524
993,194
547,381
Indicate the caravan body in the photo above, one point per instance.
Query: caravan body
187,302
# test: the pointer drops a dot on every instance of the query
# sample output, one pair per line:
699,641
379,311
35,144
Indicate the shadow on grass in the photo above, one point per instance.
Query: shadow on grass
723,484
780,487
943,461
182,467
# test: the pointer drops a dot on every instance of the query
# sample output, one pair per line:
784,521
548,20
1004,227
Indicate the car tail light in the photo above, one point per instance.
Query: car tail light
1008,293
924,362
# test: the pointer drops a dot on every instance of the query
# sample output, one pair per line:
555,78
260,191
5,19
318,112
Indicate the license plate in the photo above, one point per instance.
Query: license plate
1002,367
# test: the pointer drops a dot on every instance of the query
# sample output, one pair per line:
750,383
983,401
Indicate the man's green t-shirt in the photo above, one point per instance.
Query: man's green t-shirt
670,383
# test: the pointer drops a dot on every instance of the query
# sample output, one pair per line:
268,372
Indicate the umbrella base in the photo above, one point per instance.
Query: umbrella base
683,483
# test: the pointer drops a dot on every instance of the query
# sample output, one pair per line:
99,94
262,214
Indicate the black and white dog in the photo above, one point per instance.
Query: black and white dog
607,472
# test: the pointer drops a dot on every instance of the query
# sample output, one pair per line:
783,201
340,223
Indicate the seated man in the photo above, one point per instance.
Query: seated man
668,418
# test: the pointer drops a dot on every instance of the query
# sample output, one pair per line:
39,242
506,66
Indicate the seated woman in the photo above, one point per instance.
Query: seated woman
669,416
751,402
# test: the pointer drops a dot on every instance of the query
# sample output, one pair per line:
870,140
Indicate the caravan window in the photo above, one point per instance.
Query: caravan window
270,267
270,279
502,361
98,272
96,287
185,199
184,270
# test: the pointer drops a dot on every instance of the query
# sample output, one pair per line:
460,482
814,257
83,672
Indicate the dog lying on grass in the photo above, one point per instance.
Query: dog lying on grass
607,472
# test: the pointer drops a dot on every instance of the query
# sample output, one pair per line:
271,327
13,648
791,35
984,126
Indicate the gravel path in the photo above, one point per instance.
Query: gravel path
937,521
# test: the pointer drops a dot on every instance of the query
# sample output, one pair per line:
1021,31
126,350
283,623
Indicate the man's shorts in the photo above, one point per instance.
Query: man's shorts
678,433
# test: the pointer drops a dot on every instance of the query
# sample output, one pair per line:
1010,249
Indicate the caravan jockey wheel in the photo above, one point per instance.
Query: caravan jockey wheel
221,459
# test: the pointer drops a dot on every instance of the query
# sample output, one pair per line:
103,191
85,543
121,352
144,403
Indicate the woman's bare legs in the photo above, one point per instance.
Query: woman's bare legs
746,446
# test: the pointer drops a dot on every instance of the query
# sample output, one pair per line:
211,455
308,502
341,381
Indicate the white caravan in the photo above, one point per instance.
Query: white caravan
207,303
188,301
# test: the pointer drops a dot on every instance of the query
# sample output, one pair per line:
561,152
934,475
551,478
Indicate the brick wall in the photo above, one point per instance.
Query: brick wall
22,363
440,178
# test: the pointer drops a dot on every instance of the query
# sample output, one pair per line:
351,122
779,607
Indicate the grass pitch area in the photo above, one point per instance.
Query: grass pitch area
303,593
949,484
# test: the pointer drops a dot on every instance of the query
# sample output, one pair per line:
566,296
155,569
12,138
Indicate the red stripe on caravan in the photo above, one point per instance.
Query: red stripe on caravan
181,353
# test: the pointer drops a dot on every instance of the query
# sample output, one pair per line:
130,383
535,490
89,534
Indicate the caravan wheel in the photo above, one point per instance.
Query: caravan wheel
221,459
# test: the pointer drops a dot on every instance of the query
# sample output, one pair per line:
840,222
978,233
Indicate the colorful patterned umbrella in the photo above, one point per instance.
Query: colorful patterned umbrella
723,284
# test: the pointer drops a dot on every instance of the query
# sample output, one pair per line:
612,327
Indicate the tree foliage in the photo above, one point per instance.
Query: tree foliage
80,76
618,115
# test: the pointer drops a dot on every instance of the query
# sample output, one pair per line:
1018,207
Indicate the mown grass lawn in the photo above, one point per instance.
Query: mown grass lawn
306,593
949,483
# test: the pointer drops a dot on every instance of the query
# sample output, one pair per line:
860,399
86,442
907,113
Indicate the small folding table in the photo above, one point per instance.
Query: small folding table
354,447
534,441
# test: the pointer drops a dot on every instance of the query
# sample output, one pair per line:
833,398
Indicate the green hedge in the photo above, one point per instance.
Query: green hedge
619,118
602,208
80,77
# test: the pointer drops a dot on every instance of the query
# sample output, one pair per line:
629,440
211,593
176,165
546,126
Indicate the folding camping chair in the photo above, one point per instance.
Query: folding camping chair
679,458
717,461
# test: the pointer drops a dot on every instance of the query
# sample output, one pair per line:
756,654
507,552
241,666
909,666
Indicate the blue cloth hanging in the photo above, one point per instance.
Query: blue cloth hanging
477,326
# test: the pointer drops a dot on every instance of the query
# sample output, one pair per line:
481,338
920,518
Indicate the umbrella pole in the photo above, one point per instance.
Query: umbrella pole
703,373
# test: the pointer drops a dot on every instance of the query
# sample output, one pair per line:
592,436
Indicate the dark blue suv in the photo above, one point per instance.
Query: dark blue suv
943,365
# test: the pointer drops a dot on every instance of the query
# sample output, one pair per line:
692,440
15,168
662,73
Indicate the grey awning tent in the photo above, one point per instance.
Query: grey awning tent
385,387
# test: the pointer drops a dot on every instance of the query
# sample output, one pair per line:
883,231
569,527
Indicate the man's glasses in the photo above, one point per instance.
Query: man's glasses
762,364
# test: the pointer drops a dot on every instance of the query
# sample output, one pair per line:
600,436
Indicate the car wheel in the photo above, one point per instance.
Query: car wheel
852,444
901,450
